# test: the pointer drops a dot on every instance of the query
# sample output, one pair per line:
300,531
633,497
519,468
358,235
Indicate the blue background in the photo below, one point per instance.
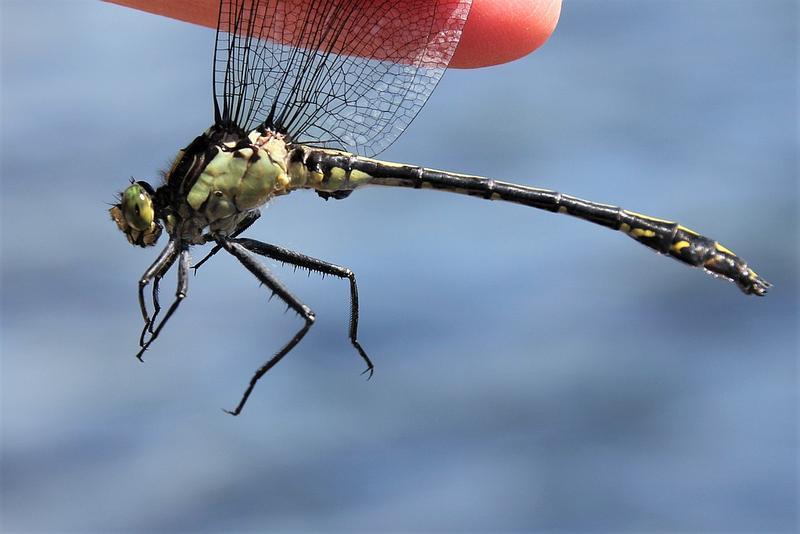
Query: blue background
534,372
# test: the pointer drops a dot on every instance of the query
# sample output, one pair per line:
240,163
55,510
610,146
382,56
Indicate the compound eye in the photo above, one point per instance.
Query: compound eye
137,207
135,215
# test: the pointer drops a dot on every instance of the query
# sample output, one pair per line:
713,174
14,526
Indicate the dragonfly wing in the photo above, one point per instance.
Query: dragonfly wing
345,74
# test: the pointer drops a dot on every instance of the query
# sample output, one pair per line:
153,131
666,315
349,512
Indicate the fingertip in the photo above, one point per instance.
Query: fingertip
499,31
203,12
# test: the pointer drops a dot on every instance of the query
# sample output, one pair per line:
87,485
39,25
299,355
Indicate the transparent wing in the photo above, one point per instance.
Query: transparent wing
346,74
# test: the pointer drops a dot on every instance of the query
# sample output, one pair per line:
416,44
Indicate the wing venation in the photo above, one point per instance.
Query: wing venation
347,74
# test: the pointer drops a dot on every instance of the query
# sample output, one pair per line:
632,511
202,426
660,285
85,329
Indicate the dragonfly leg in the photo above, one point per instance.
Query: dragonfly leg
162,264
245,257
180,294
246,223
148,327
323,267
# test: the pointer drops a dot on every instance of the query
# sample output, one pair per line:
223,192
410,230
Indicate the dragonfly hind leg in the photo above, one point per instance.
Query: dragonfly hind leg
323,267
245,257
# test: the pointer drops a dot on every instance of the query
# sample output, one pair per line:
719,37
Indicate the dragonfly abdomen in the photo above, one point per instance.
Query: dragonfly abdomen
666,237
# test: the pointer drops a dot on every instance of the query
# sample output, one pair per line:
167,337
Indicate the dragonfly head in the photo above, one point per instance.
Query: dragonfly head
135,214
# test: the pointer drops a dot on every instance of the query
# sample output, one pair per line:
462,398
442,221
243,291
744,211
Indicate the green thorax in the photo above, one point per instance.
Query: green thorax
218,179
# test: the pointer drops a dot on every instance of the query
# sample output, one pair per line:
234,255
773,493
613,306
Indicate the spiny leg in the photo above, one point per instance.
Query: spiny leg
323,267
246,223
180,294
148,327
263,275
162,264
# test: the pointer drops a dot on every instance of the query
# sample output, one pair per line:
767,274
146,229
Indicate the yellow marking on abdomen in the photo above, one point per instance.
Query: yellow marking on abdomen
687,230
359,176
641,232
649,218
338,173
724,249
336,178
680,245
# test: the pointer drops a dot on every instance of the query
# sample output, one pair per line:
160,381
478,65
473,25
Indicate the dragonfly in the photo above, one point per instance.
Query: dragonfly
305,94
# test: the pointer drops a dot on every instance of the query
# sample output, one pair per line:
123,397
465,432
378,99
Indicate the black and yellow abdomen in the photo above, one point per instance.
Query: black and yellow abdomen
336,174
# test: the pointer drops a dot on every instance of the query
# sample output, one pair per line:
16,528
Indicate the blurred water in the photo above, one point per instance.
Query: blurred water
533,372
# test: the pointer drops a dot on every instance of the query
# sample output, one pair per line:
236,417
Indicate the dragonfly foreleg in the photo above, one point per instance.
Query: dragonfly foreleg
243,225
148,327
180,294
245,257
322,267
162,264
